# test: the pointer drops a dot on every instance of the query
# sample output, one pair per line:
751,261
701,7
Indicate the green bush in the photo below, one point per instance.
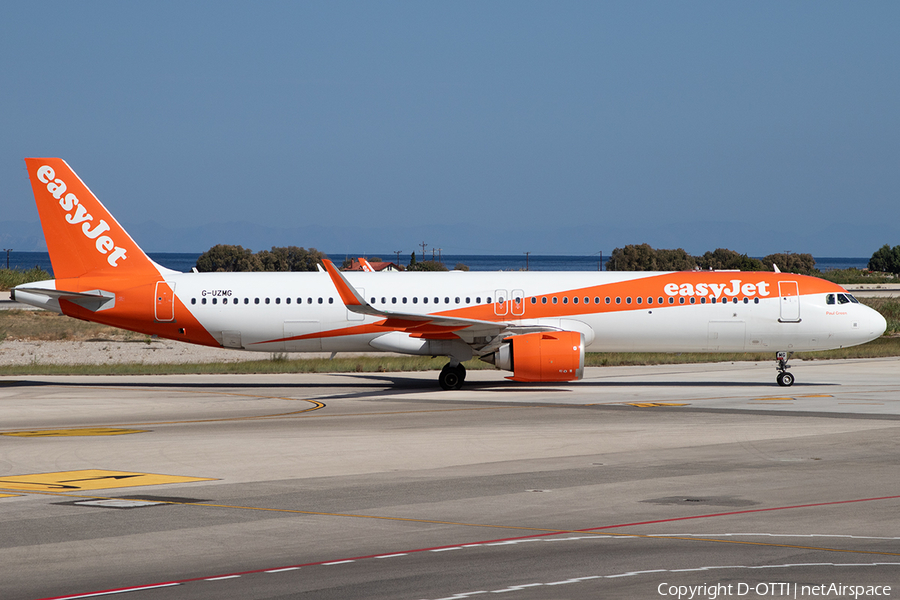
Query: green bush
10,278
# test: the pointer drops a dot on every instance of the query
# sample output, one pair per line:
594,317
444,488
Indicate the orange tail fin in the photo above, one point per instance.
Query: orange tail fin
82,237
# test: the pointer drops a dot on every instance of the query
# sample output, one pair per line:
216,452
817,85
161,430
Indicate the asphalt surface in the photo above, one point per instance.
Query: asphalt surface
628,484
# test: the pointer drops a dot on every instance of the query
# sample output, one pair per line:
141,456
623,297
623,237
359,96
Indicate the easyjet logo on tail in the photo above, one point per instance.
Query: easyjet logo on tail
69,203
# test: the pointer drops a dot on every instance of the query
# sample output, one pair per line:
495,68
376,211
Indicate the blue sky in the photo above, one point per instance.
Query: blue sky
476,127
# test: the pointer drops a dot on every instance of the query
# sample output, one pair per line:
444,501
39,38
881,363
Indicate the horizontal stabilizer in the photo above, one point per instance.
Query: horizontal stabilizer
93,300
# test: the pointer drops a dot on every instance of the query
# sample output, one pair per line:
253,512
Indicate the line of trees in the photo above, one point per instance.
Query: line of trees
643,257
633,257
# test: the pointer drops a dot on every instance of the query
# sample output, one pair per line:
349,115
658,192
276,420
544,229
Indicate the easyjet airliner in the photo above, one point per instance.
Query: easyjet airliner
536,324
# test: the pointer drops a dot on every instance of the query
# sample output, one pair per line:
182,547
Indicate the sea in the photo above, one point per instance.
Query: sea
184,261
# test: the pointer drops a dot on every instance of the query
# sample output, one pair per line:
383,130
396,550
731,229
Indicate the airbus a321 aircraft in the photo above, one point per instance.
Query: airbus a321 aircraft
536,324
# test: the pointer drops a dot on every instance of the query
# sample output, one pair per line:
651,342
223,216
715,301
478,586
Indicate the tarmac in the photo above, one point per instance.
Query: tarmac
636,482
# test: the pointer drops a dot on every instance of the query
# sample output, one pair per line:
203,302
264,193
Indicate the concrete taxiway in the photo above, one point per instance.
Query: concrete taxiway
627,484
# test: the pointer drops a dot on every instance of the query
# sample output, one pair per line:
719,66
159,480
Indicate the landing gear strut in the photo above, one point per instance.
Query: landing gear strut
784,378
452,376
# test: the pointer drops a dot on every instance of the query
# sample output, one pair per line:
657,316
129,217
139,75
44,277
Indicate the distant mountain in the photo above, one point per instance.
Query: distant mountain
22,236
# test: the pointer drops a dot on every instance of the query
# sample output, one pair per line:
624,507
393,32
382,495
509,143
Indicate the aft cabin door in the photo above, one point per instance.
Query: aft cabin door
164,309
789,296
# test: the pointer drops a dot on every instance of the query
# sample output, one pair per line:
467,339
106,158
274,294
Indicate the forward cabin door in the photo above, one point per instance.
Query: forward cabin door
789,297
164,306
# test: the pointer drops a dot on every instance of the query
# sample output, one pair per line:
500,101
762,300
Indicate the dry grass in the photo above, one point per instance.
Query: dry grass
41,325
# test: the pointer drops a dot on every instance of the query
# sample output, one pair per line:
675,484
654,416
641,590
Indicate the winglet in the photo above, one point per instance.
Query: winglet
349,295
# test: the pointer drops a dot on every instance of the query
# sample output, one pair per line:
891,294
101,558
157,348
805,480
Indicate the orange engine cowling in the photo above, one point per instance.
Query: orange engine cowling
543,356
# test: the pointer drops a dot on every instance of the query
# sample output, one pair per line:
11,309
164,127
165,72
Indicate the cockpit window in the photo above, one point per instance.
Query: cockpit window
842,299
852,299
829,299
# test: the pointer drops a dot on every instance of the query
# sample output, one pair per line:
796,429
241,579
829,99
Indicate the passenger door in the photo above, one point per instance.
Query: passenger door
789,297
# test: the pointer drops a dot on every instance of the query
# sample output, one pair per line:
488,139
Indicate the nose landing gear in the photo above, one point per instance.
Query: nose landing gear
784,378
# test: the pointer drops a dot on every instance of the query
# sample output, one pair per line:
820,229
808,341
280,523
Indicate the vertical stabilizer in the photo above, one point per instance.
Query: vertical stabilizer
82,237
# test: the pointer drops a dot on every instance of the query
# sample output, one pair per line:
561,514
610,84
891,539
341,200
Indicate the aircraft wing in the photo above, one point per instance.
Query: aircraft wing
485,335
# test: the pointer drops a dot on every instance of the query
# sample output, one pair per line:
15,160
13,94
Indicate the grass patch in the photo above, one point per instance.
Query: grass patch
856,276
43,325
10,278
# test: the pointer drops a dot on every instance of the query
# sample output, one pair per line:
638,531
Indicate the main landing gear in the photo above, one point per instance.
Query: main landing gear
784,378
452,376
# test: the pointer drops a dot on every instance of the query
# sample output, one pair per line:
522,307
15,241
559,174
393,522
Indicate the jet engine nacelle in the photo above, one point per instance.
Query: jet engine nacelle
543,356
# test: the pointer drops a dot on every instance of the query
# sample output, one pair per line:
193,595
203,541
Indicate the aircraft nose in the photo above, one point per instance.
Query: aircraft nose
874,323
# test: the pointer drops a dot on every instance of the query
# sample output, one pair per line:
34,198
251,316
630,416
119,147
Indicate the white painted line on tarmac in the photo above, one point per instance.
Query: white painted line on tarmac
119,591
283,570
515,588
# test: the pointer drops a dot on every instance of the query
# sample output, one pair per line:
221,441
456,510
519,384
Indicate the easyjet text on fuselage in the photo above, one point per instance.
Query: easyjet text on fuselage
735,287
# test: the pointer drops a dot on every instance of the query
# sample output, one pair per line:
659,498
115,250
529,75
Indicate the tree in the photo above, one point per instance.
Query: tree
427,265
632,258
724,258
645,258
227,257
674,260
803,264
886,259
290,258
